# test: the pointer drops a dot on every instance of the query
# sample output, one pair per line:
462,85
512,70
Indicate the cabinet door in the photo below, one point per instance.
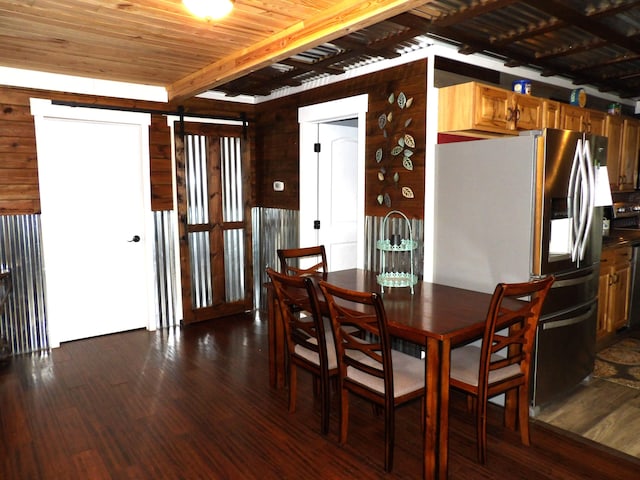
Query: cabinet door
596,122
493,107
613,131
603,302
551,114
620,305
573,118
529,112
629,154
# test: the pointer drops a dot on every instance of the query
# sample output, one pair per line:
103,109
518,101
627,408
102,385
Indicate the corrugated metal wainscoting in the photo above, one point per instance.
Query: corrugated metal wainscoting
395,224
166,275
373,233
23,323
273,228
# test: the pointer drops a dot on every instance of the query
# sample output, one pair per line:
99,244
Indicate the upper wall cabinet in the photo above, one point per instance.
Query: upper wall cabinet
582,119
622,151
613,131
630,152
473,108
551,114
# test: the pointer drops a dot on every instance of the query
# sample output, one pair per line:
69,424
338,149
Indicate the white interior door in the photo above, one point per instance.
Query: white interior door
338,193
93,174
332,181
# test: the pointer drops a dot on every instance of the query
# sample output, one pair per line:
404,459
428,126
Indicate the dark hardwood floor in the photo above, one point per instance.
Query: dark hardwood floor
195,403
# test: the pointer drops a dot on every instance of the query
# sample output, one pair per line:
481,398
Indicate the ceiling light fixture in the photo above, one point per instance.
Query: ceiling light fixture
209,9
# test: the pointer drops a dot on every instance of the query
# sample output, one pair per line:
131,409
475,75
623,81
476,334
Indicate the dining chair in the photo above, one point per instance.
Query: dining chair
310,345
368,366
502,364
291,258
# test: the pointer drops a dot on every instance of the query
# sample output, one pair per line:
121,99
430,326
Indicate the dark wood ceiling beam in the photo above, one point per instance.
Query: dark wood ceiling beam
512,58
567,50
611,62
386,47
314,67
608,10
532,31
359,48
577,18
470,12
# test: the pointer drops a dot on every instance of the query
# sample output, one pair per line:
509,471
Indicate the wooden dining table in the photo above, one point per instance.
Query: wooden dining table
438,317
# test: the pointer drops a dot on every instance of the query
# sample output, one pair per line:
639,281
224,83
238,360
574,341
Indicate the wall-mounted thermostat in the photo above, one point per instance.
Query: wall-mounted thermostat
278,186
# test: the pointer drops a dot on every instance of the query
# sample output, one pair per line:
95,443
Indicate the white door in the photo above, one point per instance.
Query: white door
93,174
332,180
338,193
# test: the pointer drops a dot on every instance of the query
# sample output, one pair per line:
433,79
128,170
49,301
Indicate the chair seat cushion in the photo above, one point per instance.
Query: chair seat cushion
313,357
408,374
465,366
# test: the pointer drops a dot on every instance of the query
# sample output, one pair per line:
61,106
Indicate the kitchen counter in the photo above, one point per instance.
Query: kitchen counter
621,238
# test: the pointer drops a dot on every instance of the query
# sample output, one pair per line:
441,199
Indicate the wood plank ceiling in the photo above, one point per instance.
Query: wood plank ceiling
264,46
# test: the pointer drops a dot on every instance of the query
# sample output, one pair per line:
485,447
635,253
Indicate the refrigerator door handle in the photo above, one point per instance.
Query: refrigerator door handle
568,321
574,200
570,282
591,195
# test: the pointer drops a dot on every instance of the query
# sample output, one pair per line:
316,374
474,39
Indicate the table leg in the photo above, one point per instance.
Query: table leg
436,432
276,341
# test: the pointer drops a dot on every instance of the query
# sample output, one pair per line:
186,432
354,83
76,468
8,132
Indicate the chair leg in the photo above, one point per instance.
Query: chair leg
317,386
389,437
471,403
344,415
325,400
511,409
293,385
481,429
523,414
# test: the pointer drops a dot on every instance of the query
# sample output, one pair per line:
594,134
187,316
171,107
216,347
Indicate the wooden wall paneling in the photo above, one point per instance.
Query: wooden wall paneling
399,123
160,164
278,136
278,153
19,192
19,189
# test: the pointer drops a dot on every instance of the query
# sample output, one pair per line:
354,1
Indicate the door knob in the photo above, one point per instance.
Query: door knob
135,239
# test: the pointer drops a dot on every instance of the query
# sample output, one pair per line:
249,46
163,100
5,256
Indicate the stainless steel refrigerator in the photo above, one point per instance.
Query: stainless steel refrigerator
510,209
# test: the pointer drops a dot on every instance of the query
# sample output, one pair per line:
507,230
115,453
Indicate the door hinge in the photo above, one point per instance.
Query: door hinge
316,224
316,147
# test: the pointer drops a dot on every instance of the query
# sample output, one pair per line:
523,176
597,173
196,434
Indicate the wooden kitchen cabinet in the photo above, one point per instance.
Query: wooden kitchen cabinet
475,108
550,114
622,152
613,131
629,153
527,112
582,119
614,290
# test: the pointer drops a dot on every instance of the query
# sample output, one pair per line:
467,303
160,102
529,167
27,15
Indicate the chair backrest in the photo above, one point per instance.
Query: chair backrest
290,260
300,310
361,335
512,321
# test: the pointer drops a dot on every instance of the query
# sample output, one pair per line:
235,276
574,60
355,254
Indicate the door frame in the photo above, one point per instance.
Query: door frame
41,108
308,118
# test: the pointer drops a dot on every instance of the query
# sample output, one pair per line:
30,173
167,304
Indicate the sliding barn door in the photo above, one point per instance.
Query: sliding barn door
214,212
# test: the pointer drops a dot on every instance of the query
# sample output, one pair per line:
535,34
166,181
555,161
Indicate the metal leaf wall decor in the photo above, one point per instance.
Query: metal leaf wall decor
396,146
